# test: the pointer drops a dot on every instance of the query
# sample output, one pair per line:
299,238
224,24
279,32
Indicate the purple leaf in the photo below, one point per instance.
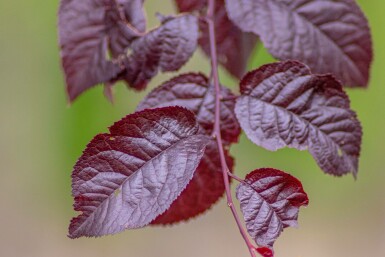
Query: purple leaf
204,190
166,48
134,13
283,104
328,35
193,91
270,201
128,177
88,30
234,47
131,14
121,35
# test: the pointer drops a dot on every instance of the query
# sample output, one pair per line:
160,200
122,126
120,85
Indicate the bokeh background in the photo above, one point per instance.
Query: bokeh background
41,137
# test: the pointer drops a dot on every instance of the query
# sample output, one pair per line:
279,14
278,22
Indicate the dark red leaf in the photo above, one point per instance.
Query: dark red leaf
204,190
328,35
193,91
270,201
166,48
191,5
127,178
88,30
283,104
234,47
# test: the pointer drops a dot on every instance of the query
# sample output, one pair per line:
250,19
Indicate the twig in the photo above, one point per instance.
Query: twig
217,125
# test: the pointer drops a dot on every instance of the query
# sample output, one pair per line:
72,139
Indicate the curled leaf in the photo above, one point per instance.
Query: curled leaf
89,31
329,36
128,177
133,13
270,201
166,48
284,104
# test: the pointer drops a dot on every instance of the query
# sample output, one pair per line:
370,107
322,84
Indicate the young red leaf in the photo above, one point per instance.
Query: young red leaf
283,104
270,201
166,48
234,47
265,251
193,91
204,190
329,36
88,30
128,177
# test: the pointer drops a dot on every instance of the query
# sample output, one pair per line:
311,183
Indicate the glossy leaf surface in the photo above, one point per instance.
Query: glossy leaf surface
270,201
192,90
166,48
204,190
234,47
126,178
328,35
283,104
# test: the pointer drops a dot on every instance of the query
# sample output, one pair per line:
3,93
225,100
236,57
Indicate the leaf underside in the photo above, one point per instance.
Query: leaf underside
284,105
329,36
234,47
270,201
193,91
126,178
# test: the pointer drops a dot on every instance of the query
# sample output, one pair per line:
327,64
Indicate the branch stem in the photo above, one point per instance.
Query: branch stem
217,124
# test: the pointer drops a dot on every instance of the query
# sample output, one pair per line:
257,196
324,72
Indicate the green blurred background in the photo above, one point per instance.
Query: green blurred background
41,138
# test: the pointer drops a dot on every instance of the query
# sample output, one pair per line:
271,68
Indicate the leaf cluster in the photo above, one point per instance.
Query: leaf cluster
169,161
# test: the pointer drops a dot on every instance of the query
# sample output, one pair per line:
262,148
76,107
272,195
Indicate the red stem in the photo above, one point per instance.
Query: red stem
217,126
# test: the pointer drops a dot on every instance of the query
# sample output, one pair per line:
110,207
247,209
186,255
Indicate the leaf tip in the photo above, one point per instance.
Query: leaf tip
265,251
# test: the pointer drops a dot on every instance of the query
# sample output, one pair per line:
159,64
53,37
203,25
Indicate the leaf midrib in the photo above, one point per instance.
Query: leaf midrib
128,177
301,118
295,12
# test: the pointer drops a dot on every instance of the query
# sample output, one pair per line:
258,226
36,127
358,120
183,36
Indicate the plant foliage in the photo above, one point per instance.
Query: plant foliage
169,161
